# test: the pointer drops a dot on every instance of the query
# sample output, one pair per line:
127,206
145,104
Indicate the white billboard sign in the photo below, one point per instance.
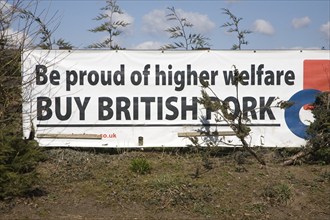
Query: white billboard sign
99,98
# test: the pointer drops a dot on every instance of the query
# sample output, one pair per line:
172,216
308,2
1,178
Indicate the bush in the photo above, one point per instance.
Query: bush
277,193
319,129
140,166
320,156
18,160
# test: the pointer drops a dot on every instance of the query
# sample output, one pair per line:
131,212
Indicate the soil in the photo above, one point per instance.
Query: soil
181,184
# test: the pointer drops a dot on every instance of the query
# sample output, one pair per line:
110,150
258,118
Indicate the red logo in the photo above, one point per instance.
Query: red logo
317,75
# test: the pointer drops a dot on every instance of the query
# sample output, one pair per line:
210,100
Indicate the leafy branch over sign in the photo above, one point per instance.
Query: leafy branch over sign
223,112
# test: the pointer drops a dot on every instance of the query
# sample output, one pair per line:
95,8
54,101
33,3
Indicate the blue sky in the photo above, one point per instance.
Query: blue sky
282,24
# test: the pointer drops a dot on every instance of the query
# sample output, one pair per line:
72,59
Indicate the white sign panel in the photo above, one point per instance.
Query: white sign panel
92,98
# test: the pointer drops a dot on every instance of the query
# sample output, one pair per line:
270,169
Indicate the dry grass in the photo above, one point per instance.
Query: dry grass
101,185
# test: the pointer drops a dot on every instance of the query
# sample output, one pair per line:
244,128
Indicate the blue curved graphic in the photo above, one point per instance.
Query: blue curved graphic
291,114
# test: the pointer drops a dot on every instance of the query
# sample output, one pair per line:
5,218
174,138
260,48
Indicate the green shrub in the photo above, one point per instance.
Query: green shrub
319,129
18,160
321,156
277,193
140,166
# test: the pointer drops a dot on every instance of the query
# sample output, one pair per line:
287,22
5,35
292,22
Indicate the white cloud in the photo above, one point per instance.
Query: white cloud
149,45
300,22
263,27
325,29
202,23
156,22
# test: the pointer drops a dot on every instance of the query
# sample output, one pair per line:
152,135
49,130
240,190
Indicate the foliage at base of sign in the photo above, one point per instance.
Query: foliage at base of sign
277,193
321,156
318,144
140,166
18,160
